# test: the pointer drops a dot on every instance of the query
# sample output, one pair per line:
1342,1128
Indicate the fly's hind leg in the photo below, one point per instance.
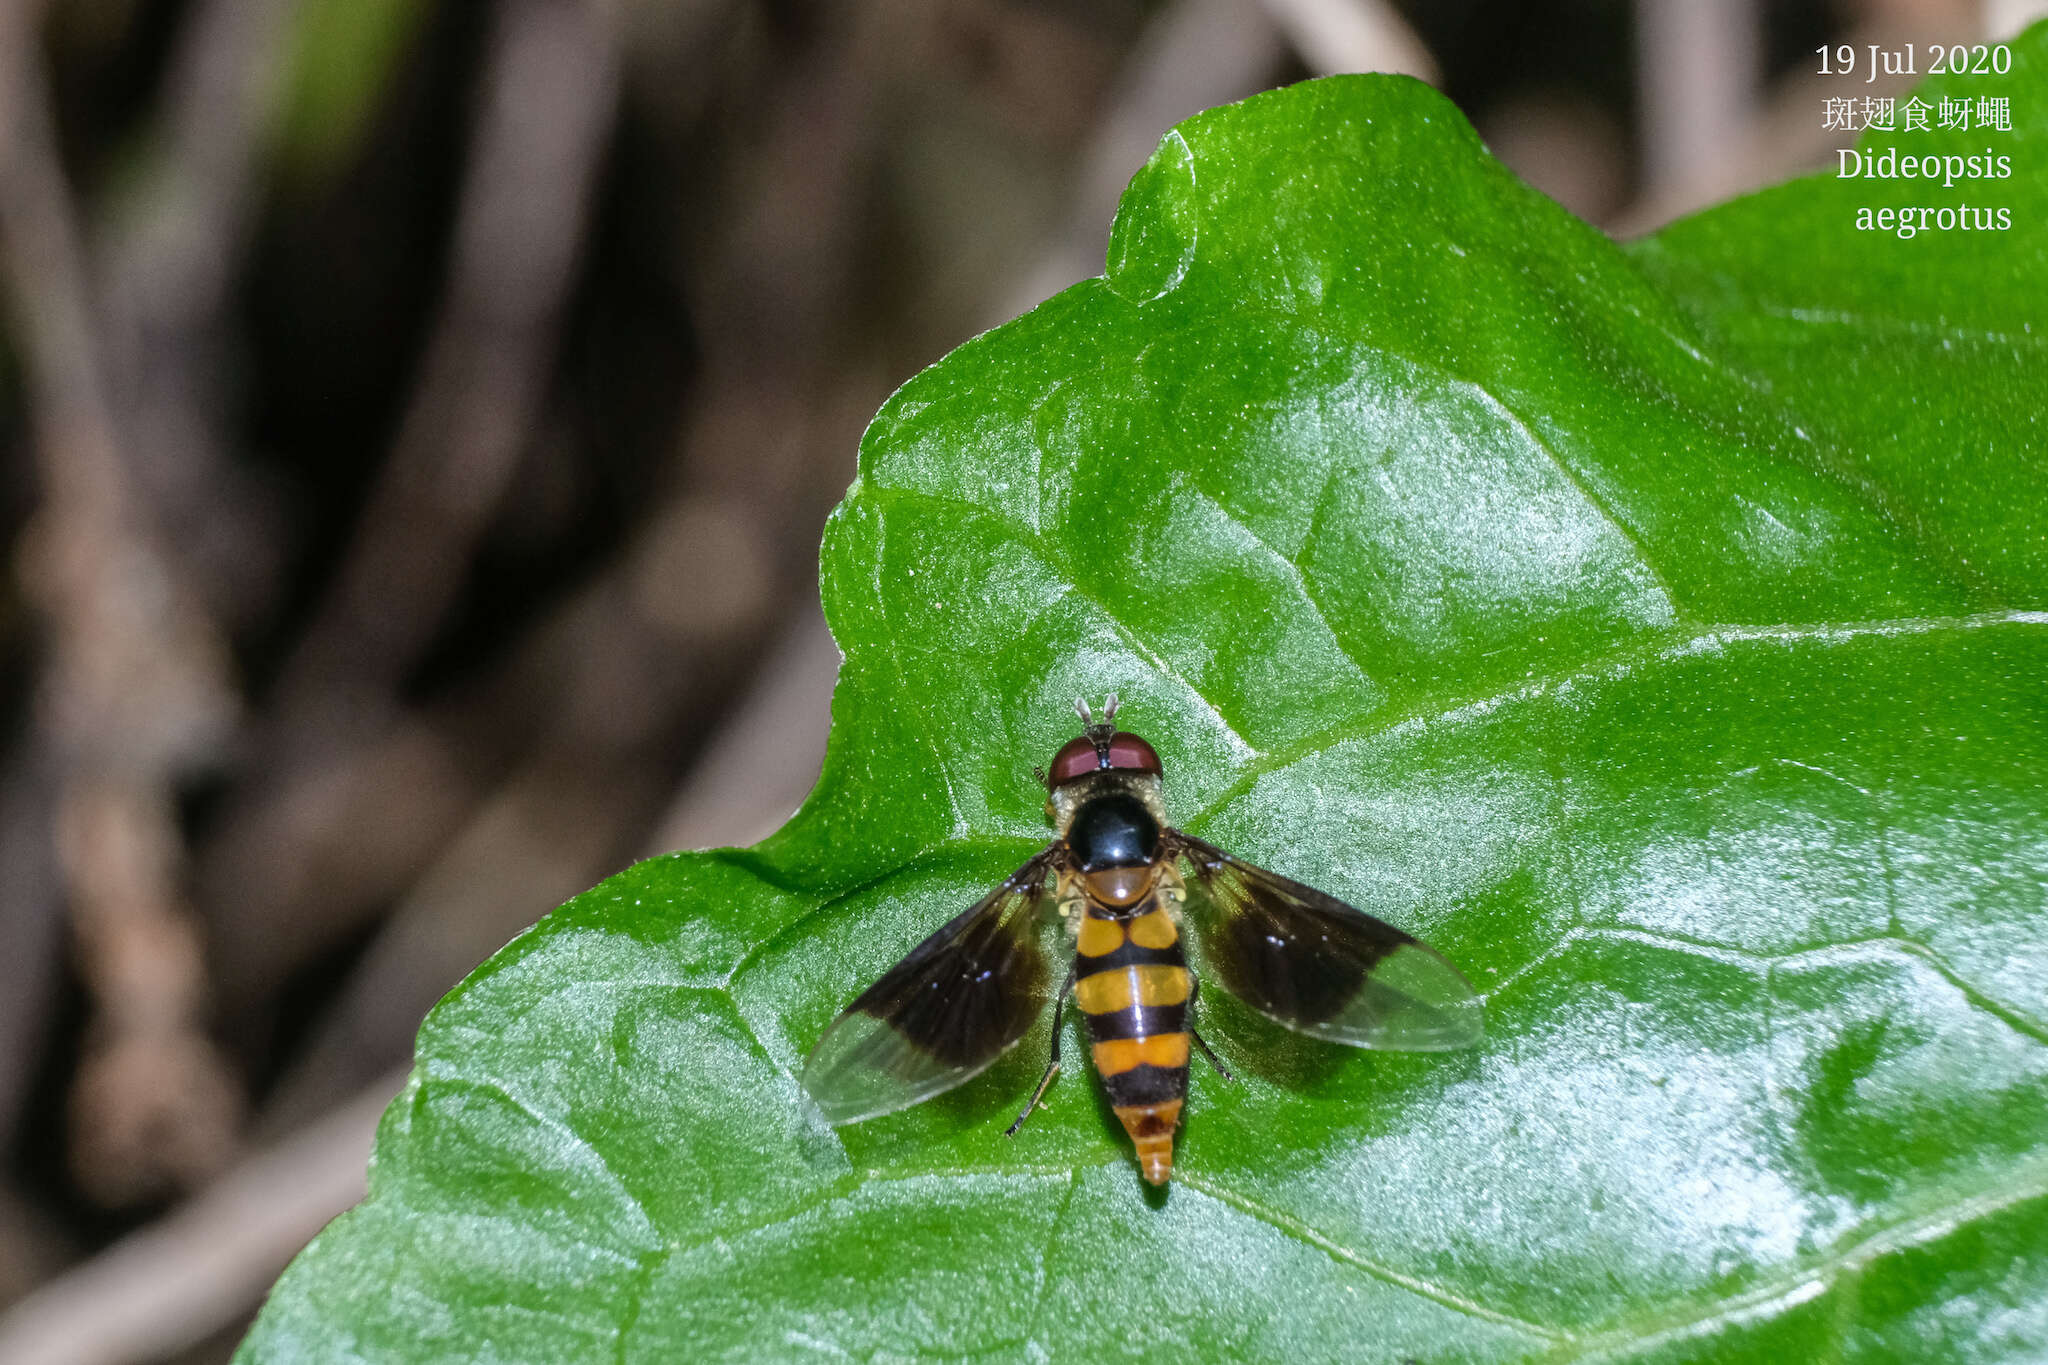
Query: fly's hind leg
1207,1051
1052,1065
1210,1053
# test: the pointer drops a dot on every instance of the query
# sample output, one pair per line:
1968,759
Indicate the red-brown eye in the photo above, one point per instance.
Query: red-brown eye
1126,750
1076,757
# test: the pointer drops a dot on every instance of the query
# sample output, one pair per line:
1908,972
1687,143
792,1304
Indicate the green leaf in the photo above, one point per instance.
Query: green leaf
1657,631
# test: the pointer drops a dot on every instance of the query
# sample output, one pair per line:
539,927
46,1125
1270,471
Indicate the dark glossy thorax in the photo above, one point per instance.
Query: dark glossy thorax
1113,830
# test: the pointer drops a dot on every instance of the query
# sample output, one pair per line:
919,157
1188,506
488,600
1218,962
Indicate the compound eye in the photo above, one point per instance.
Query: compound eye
1126,750
1075,759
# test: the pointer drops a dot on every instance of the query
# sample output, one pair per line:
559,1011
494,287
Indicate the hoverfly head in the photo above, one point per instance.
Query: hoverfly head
1100,747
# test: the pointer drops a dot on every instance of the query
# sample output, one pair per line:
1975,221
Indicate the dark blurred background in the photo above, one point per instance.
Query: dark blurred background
417,422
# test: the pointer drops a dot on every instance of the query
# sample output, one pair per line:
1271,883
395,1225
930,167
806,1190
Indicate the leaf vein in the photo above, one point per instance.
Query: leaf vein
828,902
1035,542
1617,664
1938,331
1309,1236
2030,1182
1059,1219
1300,580
576,1141
1627,532
2014,1018
2018,1020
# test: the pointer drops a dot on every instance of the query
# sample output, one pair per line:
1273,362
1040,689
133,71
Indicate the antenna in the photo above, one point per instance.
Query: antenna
1098,733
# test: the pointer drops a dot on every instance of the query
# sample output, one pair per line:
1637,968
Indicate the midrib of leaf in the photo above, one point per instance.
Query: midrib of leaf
1729,407
1874,498
1666,645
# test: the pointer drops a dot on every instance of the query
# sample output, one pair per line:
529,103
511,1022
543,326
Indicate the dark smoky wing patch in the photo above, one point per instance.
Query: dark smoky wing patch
1295,963
1315,964
944,1013
963,996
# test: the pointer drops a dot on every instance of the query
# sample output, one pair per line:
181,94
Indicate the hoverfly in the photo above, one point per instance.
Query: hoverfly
966,994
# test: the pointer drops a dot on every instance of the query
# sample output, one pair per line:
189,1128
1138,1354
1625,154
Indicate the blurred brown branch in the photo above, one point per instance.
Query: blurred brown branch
163,274
1335,36
135,691
1712,136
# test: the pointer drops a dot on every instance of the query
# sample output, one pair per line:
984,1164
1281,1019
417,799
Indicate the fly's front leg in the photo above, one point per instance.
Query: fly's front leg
1052,1065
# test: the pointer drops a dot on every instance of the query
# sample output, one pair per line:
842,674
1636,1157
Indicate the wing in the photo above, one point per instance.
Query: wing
1315,964
942,1014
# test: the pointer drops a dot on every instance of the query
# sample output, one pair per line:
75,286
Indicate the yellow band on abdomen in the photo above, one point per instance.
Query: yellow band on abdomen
1148,984
1099,937
1154,929
1118,1055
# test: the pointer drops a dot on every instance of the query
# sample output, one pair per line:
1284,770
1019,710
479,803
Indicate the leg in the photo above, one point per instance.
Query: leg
1207,1051
1221,1069
1052,1066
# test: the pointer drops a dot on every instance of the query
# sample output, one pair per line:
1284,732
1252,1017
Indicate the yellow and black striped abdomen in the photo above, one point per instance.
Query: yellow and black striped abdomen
1131,982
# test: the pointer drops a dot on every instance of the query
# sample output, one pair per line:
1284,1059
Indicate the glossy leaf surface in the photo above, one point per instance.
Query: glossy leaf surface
1657,632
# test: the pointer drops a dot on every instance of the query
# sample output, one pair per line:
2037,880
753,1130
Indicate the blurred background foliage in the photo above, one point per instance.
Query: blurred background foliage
417,420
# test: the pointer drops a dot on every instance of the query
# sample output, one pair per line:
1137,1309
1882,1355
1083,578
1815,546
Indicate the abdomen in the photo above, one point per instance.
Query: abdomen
1131,982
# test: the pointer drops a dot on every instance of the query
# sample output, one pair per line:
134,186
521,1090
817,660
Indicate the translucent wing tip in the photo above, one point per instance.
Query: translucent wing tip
1414,1001
838,1107
862,1069
1450,1026
842,1076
